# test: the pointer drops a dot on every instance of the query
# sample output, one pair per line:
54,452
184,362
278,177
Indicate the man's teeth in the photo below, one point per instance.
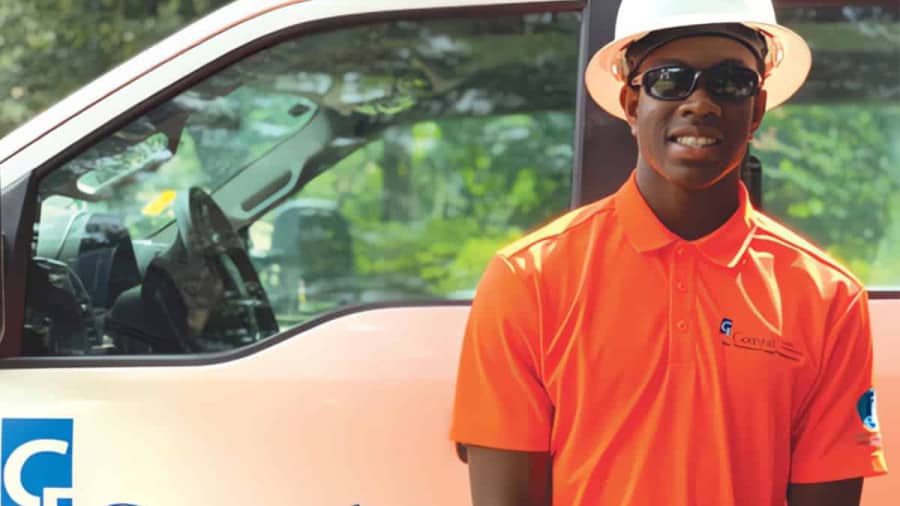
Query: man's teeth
695,141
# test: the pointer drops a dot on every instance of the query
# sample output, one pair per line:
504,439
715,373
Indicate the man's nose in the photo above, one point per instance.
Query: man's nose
700,104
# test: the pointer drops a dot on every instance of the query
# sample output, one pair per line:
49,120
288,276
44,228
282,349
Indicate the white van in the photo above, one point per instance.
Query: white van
237,268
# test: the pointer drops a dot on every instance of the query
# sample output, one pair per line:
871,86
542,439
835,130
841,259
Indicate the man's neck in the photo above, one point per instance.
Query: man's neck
690,214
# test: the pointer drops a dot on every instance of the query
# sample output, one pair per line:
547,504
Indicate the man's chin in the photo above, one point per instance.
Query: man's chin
694,178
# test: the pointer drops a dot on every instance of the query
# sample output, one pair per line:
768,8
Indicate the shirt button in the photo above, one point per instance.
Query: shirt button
682,325
680,251
680,286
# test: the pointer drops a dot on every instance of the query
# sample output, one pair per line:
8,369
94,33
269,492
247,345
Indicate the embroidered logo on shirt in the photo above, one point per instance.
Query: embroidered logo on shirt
725,326
768,344
866,409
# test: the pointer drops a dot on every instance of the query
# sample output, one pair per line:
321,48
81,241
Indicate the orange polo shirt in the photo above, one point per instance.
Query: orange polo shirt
662,371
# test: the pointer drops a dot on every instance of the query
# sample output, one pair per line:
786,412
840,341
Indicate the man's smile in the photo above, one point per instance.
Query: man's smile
695,141
695,136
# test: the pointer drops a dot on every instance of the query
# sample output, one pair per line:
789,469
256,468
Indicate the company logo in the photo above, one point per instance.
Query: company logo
767,344
725,326
866,409
36,462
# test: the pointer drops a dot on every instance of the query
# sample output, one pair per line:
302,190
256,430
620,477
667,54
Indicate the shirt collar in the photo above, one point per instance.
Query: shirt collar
724,246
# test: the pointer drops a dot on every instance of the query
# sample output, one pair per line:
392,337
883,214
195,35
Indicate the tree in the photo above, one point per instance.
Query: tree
831,172
49,48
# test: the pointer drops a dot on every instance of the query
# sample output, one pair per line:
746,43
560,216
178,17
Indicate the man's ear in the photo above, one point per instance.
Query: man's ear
759,110
628,99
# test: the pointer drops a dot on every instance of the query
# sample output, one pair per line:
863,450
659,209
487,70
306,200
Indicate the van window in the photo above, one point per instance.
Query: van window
415,215
374,164
831,155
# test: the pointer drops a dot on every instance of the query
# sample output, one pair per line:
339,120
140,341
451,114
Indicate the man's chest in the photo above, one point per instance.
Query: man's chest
639,326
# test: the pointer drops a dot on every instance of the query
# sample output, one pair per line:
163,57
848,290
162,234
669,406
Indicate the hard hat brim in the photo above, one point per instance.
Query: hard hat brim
792,57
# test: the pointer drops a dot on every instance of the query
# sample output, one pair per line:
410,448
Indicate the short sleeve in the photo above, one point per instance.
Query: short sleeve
500,398
837,435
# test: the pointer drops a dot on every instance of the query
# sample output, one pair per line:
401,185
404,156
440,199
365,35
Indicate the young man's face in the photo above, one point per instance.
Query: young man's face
672,135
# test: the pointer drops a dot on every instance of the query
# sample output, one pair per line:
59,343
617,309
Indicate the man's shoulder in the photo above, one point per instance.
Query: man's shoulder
571,226
804,256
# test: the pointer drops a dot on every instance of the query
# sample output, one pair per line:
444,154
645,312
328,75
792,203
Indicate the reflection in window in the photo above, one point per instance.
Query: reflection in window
831,156
368,164
415,215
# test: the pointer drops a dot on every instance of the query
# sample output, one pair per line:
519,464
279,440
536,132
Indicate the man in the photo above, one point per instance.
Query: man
670,345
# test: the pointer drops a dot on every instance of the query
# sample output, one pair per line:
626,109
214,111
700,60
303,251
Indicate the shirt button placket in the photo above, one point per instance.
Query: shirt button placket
681,297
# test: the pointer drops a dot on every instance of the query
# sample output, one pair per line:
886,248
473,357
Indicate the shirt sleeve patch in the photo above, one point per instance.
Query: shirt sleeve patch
866,409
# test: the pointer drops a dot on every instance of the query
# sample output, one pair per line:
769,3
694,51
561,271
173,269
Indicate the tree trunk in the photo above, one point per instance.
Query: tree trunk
397,199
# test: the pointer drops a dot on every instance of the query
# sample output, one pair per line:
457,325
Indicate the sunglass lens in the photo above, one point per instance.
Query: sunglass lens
669,83
730,81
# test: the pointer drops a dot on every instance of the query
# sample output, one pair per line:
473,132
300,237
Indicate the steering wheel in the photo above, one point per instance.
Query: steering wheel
224,301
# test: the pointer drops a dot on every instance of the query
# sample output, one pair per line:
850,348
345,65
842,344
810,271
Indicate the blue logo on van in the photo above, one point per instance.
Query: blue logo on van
36,462
866,409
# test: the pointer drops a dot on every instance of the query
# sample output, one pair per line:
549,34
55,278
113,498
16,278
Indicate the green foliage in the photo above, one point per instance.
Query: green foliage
49,48
472,186
477,184
831,173
429,203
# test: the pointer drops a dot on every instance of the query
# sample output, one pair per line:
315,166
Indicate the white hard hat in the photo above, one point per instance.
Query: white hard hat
788,56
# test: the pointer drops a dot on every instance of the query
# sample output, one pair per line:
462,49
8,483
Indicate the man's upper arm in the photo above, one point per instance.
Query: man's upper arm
836,437
834,493
509,478
502,412
501,401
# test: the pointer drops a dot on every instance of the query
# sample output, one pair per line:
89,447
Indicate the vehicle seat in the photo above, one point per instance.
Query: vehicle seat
58,319
150,318
98,248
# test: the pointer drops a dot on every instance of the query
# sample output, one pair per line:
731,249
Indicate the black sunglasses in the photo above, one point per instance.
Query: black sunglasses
677,82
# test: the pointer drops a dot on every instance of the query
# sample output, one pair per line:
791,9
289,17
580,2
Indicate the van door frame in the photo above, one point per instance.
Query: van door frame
21,212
